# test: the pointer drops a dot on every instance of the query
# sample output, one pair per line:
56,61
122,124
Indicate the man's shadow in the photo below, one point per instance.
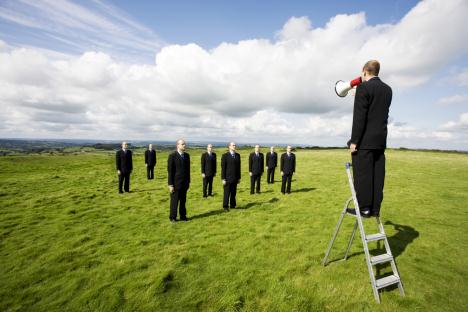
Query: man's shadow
207,214
304,190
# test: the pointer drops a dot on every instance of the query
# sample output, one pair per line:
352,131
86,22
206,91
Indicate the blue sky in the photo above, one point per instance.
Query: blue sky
253,71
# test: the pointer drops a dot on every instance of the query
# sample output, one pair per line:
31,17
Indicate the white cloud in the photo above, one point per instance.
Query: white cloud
453,99
459,126
462,77
251,90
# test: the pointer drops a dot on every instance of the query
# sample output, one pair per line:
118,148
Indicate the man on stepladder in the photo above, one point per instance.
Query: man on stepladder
369,139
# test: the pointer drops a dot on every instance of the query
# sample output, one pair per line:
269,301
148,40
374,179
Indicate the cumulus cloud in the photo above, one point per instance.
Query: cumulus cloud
453,99
280,89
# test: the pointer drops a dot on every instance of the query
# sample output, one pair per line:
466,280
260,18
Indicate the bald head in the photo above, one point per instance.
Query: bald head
180,145
232,146
272,149
209,148
257,148
124,145
288,149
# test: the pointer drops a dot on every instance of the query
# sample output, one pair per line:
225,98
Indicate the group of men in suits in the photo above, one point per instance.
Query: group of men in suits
367,146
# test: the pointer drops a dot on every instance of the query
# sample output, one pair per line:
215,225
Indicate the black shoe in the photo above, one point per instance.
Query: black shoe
172,221
364,213
205,196
226,209
120,192
184,219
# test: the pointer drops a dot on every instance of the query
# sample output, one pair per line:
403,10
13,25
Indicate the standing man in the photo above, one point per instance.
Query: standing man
271,164
150,161
178,176
369,139
231,175
124,164
208,170
256,164
287,167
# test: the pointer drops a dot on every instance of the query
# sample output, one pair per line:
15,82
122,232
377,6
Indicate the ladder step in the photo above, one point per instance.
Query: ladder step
375,237
381,259
386,281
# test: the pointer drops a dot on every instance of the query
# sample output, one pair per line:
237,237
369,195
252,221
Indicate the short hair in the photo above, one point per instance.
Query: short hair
372,67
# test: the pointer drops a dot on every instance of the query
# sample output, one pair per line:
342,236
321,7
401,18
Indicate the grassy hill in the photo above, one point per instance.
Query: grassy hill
70,242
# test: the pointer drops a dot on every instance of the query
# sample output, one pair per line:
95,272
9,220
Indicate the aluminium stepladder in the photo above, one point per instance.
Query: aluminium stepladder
371,261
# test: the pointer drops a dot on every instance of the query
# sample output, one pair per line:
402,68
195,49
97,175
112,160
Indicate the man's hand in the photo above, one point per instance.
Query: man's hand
171,188
250,173
118,172
352,148
146,165
224,182
238,181
203,175
282,173
266,167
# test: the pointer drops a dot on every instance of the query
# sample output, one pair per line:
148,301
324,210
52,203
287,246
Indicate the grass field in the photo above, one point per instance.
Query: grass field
70,242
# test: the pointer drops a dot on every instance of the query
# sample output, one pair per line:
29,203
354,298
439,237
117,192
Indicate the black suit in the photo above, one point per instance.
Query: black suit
124,163
231,173
208,168
178,175
369,133
256,165
288,167
150,161
272,163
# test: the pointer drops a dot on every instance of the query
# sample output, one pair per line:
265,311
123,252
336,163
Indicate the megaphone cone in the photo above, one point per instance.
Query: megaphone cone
342,88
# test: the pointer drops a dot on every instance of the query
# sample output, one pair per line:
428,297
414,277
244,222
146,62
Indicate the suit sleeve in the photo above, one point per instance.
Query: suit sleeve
170,170
361,107
146,157
203,163
223,167
250,162
282,163
262,166
294,164
131,160
239,167
117,160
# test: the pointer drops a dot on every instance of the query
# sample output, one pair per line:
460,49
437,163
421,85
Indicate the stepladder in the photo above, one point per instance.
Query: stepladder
378,283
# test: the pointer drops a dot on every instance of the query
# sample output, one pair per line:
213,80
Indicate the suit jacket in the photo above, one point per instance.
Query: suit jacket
178,170
124,161
288,164
231,167
150,157
370,117
208,164
272,160
256,163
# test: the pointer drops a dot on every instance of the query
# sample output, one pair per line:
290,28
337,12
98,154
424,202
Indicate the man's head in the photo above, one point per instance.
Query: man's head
257,148
288,149
209,148
232,146
180,145
150,147
371,69
124,145
272,149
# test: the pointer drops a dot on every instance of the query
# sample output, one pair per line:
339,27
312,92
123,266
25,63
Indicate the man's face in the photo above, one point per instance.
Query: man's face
209,148
288,149
181,145
272,149
124,145
232,146
150,146
257,148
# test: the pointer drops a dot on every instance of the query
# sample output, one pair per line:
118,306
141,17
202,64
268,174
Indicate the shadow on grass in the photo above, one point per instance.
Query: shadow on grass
207,214
146,190
304,190
398,242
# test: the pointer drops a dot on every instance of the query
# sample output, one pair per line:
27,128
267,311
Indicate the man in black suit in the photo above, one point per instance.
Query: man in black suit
256,164
124,164
271,164
231,175
208,170
287,167
369,139
178,176
150,161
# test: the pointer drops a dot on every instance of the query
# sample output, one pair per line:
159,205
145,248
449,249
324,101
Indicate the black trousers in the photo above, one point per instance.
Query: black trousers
369,177
255,181
286,180
207,184
271,175
178,199
124,179
230,191
150,172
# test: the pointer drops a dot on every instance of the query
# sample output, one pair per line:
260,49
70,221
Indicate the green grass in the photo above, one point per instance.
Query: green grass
69,241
